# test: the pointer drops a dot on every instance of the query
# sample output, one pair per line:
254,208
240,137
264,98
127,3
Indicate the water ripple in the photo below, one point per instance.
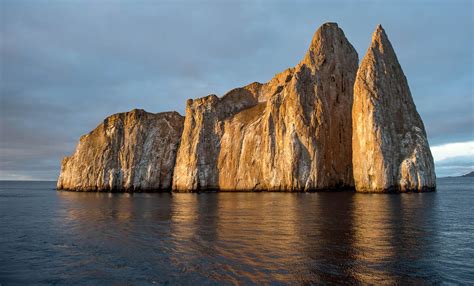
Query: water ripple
236,238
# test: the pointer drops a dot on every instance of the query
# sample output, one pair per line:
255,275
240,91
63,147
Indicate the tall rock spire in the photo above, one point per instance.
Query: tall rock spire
389,144
291,133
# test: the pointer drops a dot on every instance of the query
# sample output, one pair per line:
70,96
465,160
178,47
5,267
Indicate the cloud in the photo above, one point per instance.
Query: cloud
452,150
66,65
453,159
455,166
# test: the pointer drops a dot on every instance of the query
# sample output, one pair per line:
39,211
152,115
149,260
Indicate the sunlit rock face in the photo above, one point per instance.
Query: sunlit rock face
390,148
323,124
292,133
132,151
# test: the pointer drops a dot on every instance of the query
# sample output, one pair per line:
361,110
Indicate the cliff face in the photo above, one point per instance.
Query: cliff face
292,133
323,124
132,151
390,149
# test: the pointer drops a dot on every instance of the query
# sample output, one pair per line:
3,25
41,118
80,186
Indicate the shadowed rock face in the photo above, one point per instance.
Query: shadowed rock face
292,133
132,151
390,149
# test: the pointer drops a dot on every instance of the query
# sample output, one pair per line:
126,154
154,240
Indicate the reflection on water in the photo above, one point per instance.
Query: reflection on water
372,238
261,237
342,237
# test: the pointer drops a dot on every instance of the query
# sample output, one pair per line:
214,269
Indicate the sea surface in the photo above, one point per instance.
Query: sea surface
67,238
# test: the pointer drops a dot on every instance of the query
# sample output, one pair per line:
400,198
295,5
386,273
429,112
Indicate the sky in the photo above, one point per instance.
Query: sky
67,65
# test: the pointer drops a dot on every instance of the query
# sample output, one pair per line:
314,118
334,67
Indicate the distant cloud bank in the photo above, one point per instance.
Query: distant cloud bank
453,159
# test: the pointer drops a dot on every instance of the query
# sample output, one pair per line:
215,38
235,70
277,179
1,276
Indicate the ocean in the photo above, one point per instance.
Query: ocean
67,238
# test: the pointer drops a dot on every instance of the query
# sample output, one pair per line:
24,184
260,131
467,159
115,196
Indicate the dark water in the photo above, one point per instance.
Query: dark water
50,237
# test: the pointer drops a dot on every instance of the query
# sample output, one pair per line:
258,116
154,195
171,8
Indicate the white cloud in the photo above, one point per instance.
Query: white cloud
458,149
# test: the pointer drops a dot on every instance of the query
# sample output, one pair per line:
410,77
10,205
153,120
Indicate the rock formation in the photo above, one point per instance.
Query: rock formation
292,133
303,130
390,149
131,151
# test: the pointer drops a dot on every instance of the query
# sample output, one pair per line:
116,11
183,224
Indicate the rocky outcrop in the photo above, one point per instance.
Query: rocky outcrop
292,133
390,149
323,124
132,151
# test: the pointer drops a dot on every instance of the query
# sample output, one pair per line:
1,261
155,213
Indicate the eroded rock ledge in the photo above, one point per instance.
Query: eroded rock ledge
293,133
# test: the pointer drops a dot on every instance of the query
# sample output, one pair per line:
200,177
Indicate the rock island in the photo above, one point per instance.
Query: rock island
326,124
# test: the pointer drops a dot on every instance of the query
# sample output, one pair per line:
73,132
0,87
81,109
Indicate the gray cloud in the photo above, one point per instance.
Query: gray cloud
66,65
456,166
